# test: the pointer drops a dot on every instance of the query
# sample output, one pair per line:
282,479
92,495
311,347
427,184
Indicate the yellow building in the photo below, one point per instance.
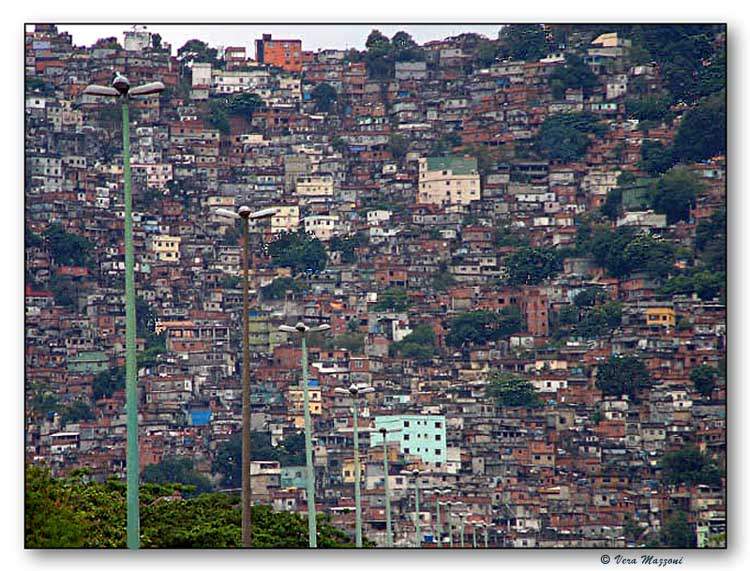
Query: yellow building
166,248
286,219
347,470
660,316
314,186
447,181
297,404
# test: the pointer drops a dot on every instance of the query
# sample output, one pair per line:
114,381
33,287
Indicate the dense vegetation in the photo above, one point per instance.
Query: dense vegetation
71,512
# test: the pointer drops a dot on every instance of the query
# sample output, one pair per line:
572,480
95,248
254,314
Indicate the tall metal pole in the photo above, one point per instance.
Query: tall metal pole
449,517
474,536
311,517
486,536
131,370
357,500
462,518
417,522
247,499
439,530
387,489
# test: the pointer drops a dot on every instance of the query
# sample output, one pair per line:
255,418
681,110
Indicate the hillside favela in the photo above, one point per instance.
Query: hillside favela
464,292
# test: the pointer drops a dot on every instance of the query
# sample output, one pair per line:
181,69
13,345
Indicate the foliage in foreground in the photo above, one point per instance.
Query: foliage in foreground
70,512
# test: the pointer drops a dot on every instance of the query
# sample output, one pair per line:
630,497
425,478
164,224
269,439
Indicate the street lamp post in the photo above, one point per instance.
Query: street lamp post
121,89
312,524
384,432
246,214
474,535
355,391
449,517
462,521
417,521
486,535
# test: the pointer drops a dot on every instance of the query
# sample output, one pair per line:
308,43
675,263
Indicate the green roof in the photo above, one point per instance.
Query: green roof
457,165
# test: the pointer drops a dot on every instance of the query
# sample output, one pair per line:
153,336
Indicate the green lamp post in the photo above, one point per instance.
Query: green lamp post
355,392
121,89
312,524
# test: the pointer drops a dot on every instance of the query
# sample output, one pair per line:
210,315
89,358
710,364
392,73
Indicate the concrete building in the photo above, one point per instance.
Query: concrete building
447,181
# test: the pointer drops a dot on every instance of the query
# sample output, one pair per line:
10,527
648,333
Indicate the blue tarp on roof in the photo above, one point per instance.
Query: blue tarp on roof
200,417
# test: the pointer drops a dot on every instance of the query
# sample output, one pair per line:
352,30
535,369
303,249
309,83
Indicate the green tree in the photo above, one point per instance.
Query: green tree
244,105
703,378
702,132
711,241
392,299
676,532
566,136
68,249
107,382
71,512
531,266
325,97
689,466
575,74
656,158
623,375
77,411
218,116
197,51
475,328
674,194
589,297
278,288
523,42
173,469
648,108
398,145
300,250
419,344
509,391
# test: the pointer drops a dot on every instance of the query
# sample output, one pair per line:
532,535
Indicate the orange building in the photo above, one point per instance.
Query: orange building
286,54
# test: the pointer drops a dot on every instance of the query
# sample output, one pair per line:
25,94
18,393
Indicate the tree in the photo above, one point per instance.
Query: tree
475,328
325,97
107,382
566,136
689,466
711,241
244,105
703,378
575,74
71,512
398,145
156,41
589,297
68,249
217,116
76,411
486,54
676,532
623,375
392,299
300,250
523,42
531,266
278,288
176,470
656,158
623,251
509,391
674,194
197,51
419,344
612,206
648,108
702,132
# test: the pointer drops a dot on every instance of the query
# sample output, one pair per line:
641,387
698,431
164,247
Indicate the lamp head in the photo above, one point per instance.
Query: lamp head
121,83
244,211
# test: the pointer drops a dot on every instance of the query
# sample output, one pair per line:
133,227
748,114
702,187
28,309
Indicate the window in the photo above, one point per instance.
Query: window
406,424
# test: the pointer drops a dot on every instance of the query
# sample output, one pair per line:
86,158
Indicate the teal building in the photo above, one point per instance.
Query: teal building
418,435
